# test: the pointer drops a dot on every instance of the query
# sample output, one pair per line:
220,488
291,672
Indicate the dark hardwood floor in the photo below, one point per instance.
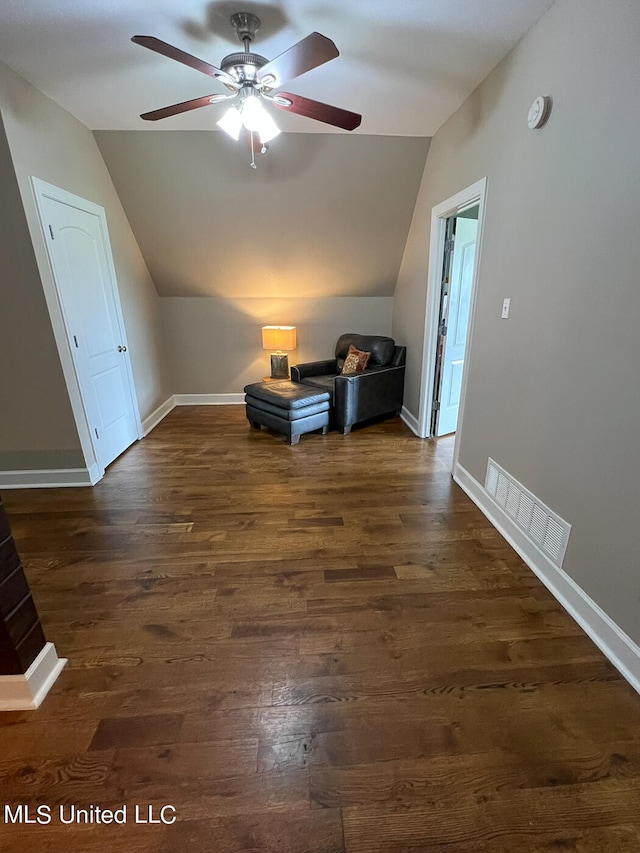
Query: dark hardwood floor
314,649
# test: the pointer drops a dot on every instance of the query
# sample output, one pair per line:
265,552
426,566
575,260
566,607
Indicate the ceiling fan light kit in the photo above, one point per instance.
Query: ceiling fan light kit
251,79
231,123
250,114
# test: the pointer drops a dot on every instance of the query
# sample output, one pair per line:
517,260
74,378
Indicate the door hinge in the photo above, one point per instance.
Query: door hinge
96,432
51,232
448,245
443,330
436,405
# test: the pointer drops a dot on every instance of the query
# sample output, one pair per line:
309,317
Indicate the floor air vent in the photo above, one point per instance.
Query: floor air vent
545,529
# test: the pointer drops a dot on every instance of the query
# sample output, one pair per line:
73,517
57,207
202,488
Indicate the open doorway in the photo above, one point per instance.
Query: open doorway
455,301
451,296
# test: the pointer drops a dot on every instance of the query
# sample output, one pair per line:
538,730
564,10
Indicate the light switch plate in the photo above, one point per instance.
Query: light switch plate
506,305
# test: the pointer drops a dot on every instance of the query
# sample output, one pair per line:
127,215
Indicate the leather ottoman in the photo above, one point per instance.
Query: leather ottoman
287,407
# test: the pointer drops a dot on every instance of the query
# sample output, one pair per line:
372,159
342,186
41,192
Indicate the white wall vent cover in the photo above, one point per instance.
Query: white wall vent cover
545,529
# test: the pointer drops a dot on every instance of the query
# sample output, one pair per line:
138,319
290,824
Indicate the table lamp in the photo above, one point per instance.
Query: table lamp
278,339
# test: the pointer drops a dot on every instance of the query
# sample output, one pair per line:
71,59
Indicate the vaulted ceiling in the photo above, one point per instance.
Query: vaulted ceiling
321,216
327,212
405,65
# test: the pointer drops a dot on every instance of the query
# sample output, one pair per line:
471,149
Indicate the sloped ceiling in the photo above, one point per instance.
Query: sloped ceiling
327,212
322,215
406,65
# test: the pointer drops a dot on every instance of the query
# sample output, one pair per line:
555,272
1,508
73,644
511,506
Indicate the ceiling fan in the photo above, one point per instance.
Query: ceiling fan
251,79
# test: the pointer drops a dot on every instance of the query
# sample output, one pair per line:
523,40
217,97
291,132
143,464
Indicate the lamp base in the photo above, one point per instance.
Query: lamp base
279,365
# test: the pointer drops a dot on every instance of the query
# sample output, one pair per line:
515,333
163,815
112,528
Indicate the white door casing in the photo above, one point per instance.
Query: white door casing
474,194
77,241
458,305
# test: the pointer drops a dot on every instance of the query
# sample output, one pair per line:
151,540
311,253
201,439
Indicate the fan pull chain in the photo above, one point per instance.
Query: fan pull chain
253,153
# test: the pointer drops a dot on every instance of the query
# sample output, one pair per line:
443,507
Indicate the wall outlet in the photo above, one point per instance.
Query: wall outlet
506,305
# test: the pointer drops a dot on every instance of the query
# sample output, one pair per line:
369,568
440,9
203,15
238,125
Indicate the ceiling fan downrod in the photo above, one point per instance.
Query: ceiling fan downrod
246,26
244,67
252,79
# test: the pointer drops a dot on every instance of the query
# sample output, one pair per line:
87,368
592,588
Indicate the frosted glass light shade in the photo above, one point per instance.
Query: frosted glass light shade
268,128
256,118
231,123
253,113
279,337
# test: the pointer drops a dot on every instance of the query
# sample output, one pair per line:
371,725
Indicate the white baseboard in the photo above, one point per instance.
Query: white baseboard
26,692
208,399
612,641
96,473
53,478
170,403
158,414
410,421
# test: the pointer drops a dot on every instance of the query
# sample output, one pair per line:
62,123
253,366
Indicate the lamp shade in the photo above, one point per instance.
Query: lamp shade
279,337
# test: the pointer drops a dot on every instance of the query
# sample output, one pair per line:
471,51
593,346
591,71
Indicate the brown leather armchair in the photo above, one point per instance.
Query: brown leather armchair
376,391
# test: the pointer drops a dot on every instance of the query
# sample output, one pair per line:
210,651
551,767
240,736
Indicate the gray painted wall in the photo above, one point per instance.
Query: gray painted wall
46,141
215,344
314,237
553,392
33,388
322,215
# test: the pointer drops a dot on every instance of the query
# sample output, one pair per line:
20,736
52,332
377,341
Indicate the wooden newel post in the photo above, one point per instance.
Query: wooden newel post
28,664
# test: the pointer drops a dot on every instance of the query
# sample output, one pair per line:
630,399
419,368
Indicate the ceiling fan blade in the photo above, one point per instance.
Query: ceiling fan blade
185,106
172,52
308,53
317,110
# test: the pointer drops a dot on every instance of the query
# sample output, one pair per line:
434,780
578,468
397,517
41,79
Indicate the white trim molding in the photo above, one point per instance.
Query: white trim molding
612,641
52,478
57,478
411,421
26,692
157,415
476,193
208,399
170,403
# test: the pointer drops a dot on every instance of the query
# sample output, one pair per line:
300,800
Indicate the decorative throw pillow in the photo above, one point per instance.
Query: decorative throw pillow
356,360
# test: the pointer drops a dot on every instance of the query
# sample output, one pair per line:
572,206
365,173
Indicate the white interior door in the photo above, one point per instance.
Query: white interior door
459,302
80,254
